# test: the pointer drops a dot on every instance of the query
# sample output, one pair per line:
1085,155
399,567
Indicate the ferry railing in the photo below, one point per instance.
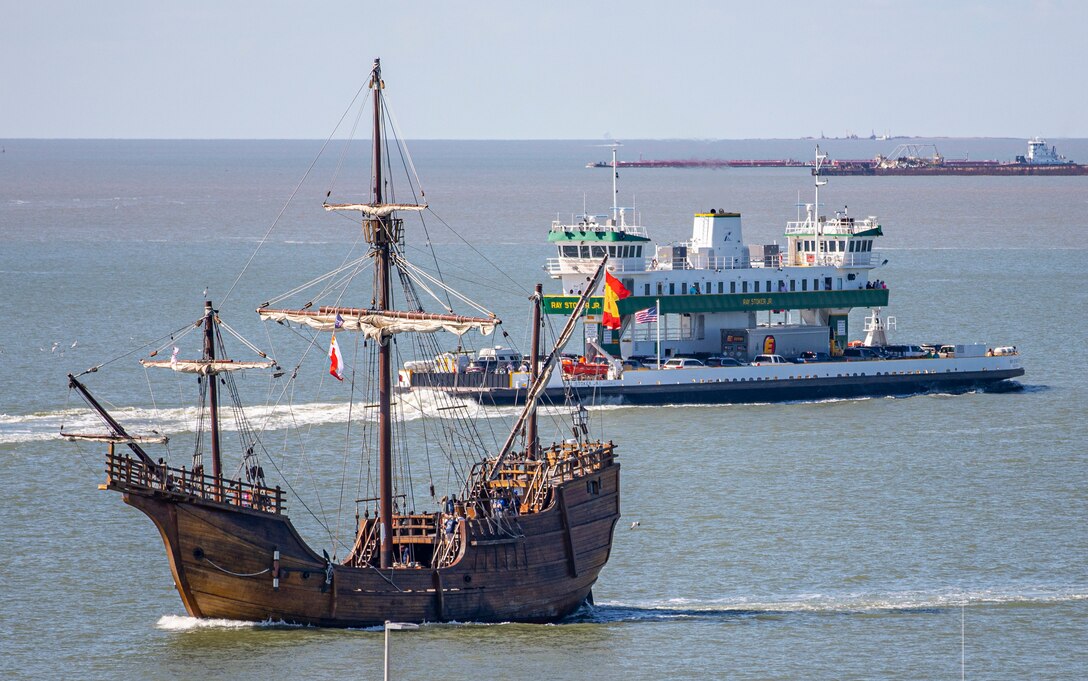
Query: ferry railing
125,473
565,265
704,263
572,229
834,227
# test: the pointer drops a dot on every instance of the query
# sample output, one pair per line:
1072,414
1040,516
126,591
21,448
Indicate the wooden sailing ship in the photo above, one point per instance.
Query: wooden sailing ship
522,538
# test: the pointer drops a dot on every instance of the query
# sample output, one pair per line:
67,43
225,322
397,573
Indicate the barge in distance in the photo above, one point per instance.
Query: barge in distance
924,159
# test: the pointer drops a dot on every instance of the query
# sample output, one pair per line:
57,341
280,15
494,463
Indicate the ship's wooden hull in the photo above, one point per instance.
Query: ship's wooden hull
222,559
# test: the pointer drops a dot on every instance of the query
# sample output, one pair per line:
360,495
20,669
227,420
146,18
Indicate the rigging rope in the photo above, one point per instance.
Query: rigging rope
292,196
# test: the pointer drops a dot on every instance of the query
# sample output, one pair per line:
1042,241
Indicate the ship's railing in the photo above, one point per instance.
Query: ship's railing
837,259
566,265
125,473
593,226
571,460
702,262
834,227
532,478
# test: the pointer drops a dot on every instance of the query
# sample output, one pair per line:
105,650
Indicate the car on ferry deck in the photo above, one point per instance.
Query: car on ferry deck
683,363
860,353
809,356
905,351
723,362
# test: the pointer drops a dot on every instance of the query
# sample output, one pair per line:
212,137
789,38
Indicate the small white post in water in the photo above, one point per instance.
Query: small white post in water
388,627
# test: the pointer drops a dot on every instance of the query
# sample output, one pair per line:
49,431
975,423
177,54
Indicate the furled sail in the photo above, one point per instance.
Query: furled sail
114,439
204,366
380,323
380,210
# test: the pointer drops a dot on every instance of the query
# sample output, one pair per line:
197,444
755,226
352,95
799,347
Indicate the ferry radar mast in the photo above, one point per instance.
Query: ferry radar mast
820,158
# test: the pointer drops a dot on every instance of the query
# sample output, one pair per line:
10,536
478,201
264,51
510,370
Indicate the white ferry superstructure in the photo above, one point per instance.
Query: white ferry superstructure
716,300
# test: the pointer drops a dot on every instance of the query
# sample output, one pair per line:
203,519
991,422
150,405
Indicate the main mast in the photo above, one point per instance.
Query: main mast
380,234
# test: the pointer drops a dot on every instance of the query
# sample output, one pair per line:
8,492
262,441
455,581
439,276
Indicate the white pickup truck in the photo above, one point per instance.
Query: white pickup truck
769,359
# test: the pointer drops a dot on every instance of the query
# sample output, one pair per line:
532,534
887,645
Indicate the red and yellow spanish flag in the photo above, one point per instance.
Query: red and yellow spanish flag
613,292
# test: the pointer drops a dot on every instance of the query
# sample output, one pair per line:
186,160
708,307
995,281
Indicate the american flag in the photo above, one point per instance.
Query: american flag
647,316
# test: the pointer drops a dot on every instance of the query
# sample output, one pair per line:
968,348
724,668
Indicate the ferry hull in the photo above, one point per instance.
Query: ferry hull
223,562
711,391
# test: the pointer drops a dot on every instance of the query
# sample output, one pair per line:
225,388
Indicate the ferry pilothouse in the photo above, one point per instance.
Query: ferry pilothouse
714,320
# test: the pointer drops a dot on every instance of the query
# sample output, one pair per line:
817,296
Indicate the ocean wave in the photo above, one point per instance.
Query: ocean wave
673,609
43,426
854,603
186,623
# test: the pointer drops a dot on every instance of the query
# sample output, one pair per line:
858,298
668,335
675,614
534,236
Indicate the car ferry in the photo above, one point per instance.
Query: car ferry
724,307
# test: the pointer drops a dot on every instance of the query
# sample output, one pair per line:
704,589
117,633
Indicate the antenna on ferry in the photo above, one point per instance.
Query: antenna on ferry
820,158
615,189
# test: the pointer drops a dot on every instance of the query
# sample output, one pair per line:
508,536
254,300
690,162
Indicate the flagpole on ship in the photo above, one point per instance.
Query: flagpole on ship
657,308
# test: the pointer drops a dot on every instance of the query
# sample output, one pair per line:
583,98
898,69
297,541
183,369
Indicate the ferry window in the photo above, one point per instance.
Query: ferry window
626,251
611,251
732,287
757,287
852,246
647,290
842,246
638,251
868,245
804,284
660,288
781,285
768,286
672,289
585,251
744,287
721,287
793,285
569,251
815,284
683,287
597,251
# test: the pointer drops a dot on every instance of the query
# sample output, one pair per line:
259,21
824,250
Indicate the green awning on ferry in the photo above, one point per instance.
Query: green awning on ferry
730,302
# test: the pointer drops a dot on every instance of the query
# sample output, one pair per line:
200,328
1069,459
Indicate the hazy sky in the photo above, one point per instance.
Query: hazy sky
546,69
